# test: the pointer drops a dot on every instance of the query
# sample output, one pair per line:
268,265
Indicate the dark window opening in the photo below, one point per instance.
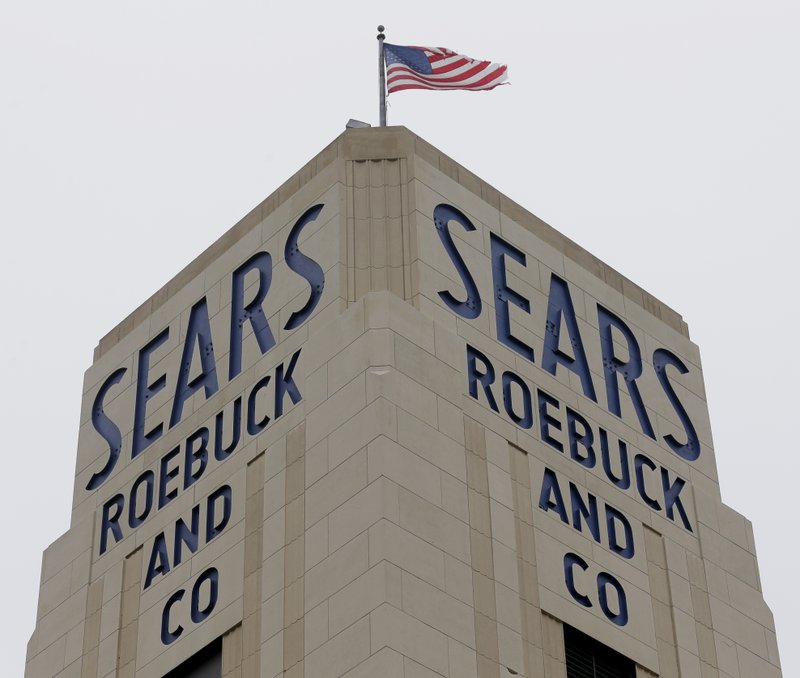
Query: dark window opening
207,663
588,658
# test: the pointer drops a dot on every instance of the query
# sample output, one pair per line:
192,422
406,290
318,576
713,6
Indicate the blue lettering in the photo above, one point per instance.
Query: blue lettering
165,474
200,455
144,392
284,383
471,307
251,312
199,334
612,518
639,462
559,305
550,498
169,636
215,525
198,614
622,481
672,499
524,420
485,376
570,561
583,439
690,450
631,369
111,522
604,580
305,267
107,429
580,511
222,452
255,427
159,559
546,420
503,294
190,536
135,516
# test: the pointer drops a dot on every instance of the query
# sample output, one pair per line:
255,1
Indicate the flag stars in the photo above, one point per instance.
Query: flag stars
438,68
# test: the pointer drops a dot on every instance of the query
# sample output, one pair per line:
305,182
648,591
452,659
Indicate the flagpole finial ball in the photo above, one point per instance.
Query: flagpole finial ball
381,29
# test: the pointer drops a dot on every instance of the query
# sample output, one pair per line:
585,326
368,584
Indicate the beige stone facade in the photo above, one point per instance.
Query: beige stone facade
411,471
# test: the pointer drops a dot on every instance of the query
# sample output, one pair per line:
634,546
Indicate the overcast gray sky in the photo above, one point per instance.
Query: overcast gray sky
662,136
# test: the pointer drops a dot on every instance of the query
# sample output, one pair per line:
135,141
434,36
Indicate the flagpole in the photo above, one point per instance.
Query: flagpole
381,77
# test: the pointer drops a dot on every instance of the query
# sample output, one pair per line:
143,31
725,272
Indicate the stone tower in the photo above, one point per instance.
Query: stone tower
392,424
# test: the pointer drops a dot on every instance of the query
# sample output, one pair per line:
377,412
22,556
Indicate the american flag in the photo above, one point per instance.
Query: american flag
438,68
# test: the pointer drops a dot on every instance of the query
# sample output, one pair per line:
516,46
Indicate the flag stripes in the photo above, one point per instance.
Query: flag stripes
438,68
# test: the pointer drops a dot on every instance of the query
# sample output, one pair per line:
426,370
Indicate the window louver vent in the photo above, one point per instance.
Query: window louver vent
587,658
207,663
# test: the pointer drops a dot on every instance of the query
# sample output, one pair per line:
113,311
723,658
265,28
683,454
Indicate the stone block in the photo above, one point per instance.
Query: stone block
389,542
380,584
390,627
387,458
336,487
336,571
438,609
377,500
